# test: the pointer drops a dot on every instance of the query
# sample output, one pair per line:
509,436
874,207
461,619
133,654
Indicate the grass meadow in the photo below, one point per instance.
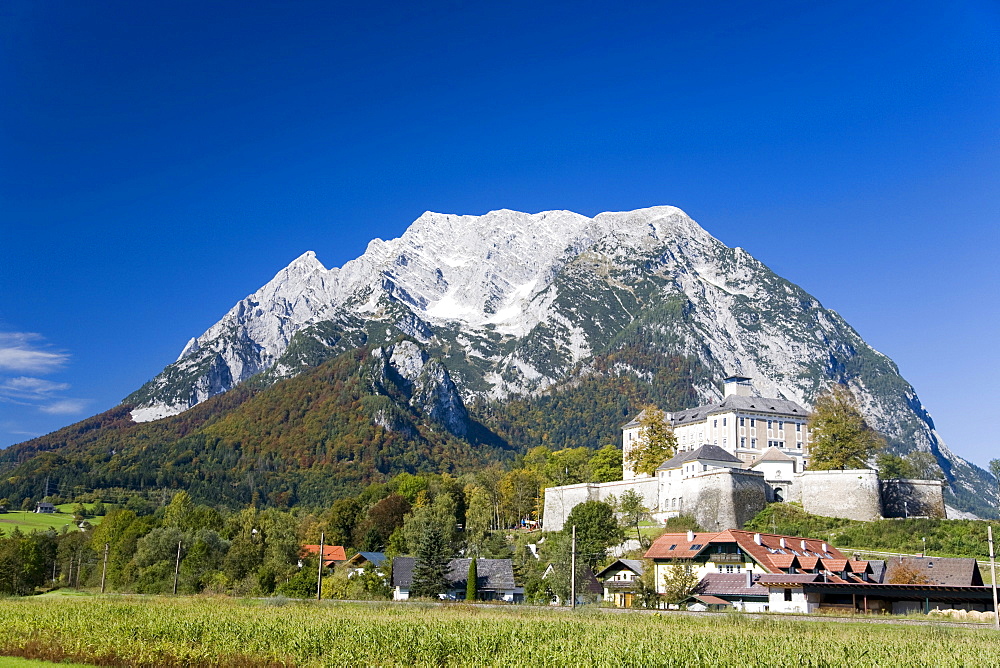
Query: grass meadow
161,631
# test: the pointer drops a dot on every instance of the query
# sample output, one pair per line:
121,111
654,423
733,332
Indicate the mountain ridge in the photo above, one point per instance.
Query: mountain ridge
513,304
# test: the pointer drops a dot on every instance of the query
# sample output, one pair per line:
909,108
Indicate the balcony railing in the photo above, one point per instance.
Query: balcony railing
726,558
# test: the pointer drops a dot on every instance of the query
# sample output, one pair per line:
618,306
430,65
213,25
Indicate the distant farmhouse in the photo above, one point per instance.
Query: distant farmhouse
737,455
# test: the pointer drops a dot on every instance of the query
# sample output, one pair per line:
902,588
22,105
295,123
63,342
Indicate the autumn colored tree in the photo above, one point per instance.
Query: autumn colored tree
657,442
841,438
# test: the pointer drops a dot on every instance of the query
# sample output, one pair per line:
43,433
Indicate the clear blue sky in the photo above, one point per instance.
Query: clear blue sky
161,161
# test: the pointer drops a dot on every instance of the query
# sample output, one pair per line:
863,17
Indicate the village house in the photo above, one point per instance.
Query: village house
494,579
759,572
741,591
45,507
333,555
620,580
734,551
362,560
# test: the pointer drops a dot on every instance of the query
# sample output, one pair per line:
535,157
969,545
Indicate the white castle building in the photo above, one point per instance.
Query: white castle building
735,456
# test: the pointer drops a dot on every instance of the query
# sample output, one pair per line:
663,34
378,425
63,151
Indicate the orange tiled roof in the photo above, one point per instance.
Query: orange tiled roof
808,563
770,552
330,552
835,565
677,545
857,566
784,561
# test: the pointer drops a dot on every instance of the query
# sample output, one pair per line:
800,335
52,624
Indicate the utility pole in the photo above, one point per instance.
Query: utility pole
993,576
319,570
177,565
104,569
572,572
79,567
69,580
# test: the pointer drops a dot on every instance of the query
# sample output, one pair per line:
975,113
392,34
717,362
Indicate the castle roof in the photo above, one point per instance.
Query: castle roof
712,453
773,454
636,421
735,402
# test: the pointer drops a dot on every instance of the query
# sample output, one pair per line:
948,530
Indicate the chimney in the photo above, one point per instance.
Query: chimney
803,545
825,548
737,385
749,578
690,536
756,539
781,542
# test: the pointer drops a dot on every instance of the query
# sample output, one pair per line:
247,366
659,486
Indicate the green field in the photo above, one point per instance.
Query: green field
28,521
153,631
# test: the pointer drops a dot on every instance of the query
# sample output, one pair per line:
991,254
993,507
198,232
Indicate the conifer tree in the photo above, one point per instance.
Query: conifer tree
472,583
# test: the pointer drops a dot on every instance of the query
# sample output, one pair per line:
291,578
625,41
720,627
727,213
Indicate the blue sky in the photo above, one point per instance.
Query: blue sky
160,161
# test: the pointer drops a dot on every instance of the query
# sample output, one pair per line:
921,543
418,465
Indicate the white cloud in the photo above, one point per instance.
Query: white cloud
23,351
24,387
65,407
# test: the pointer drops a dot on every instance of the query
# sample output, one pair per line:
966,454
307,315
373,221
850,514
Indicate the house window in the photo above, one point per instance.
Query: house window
788,594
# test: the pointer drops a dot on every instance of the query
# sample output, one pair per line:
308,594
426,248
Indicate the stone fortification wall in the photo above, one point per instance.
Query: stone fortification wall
852,494
559,501
913,498
724,499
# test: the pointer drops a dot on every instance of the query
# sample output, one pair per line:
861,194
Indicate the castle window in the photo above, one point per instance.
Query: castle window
753,443
753,422
798,426
741,421
723,422
743,441
769,423
715,424
781,424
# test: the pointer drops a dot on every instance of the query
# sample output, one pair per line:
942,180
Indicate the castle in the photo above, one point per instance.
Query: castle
734,457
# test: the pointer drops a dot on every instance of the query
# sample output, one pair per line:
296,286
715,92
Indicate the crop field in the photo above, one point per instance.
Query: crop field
151,631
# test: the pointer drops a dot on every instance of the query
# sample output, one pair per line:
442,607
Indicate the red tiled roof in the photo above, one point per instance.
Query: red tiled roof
330,552
779,579
809,563
857,566
784,560
835,565
677,546
770,553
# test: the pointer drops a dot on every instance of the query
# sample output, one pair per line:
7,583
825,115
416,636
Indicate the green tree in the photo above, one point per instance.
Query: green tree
892,466
471,581
841,438
430,536
596,530
606,464
632,512
678,583
657,442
